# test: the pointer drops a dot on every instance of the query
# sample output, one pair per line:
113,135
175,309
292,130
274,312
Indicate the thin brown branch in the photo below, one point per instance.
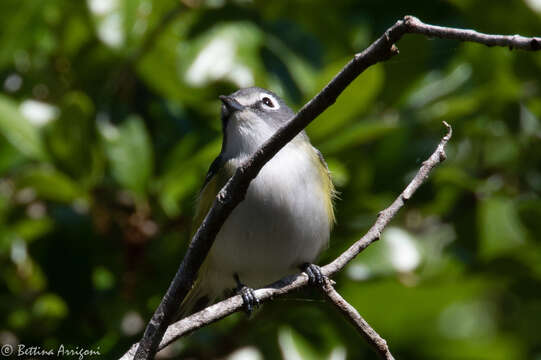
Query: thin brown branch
235,189
371,336
385,216
511,41
226,307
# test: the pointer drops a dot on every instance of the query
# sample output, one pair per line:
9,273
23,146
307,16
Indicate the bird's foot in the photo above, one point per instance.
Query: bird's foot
249,299
315,276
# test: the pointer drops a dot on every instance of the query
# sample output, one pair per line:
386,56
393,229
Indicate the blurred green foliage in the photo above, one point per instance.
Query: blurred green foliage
109,119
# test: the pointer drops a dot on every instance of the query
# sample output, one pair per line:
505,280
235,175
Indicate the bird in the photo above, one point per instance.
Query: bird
285,219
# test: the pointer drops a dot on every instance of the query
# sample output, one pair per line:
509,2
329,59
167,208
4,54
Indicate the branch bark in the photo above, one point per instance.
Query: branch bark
352,315
234,191
416,26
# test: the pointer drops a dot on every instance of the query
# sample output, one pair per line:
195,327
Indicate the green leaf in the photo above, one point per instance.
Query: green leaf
436,85
10,157
225,52
19,18
76,33
102,278
179,183
34,280
19,131
501,150
500,229
51,306
294,346
339,172
18,319
73,142
478,348
453,107
411,316
130,154
457,176
29,229
529,123
355,135
228,51
355,100
301,71
50,184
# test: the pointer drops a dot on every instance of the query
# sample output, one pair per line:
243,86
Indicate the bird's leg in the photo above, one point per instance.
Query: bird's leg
248,297
315,276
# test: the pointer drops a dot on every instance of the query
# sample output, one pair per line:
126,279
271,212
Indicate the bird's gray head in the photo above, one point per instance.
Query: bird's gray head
250,116
254,102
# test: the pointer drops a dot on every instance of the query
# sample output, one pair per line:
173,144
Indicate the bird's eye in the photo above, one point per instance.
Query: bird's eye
267,102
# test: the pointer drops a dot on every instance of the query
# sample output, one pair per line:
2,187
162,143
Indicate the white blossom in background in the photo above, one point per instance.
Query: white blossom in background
403,253
102,7
132,323
38,112
290,349
246,353
109,21
7,337
110,30
218,60
106,128
396,252
287,345
358,271
461,320
535,5
338,353
13,82
19,252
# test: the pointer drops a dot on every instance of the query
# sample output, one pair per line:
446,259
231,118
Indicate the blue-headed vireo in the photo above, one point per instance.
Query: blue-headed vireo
286,217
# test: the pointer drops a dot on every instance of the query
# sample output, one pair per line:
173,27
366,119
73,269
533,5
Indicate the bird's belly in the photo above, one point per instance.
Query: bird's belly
282,223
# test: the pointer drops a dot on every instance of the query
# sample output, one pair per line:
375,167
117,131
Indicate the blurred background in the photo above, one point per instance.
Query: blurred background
109,119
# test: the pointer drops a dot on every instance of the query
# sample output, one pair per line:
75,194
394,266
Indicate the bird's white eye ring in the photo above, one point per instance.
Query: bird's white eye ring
267,101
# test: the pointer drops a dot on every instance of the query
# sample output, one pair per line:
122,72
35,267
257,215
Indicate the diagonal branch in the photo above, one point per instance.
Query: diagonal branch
234,191
385,216
371,336
226,307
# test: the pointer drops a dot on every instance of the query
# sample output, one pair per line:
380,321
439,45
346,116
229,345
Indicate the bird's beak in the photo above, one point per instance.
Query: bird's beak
230,105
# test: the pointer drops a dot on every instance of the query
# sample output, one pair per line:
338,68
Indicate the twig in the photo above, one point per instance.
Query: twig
235,189
511,41
385,216
226,307
372,337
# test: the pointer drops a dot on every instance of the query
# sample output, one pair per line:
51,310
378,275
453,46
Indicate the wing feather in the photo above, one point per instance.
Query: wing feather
199,296
216,178
328,186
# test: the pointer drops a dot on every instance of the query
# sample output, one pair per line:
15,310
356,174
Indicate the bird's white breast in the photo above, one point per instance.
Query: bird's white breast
282,223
